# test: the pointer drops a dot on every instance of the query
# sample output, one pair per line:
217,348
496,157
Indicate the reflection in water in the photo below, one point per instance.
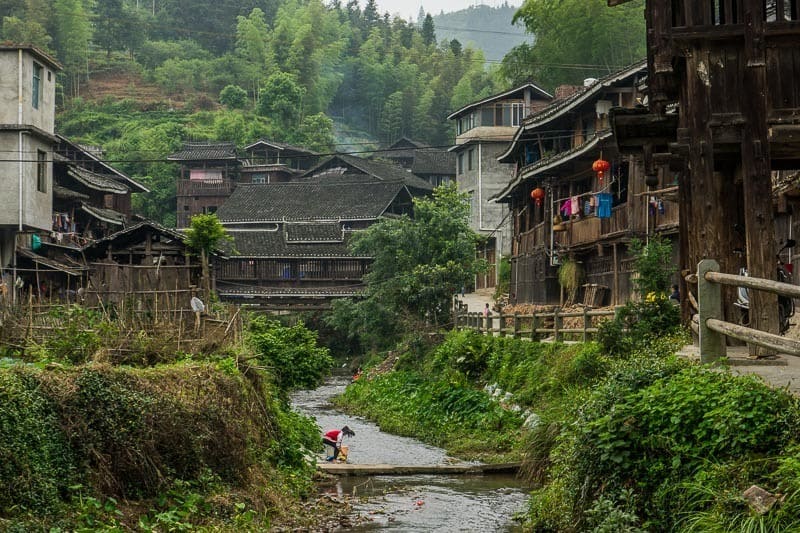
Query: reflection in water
412,503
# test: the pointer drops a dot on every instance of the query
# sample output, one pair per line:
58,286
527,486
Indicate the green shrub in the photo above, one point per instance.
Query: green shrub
291,353
36,462
81,333
233,96
637,323
664,431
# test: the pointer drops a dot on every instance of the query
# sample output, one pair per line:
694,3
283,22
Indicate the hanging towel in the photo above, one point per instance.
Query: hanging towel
574,205
587,207
593,201
604,205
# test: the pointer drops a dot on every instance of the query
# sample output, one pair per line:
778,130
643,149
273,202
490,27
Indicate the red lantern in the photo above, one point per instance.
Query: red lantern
538,195
601,166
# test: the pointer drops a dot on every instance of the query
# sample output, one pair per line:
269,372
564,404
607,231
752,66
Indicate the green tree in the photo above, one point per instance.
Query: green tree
73,32
428,31
233,96
580,38
110,23
281,99
418,264
27,31
205,234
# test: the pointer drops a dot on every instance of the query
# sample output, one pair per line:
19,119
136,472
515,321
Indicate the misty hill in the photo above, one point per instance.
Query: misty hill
484,27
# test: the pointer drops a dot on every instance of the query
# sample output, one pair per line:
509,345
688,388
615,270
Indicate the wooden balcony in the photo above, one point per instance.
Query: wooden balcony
205,188
579,232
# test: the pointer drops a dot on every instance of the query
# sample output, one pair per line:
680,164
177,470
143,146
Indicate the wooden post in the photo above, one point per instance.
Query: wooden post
709,299
556,325
516,324
535,324
501,331
586,318
756,175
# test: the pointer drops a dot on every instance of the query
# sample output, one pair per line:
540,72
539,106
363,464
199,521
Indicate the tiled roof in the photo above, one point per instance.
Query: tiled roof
95,181
314,232
276,202
106,215
76,154
68,194
262,243
205,151
432,161
553,111
379,170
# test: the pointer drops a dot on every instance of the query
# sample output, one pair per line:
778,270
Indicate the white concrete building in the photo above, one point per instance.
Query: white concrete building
27,118
483,131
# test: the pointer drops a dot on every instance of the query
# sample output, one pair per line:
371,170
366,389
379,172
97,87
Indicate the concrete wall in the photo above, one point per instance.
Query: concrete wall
36,205
487,178
44,116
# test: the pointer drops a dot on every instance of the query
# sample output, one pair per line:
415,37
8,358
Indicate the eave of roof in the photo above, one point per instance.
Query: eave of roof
551,162
40,54
500,96
49,263
205,151
134,185
557,109
95,181
106,215
280,146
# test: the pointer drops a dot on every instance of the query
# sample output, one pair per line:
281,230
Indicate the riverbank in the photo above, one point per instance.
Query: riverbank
623,436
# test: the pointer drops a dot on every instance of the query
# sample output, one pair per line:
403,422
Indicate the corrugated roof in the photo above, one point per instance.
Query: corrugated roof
276,202
205,151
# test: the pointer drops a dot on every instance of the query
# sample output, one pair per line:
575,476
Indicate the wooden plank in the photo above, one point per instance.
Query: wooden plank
769,341
350,469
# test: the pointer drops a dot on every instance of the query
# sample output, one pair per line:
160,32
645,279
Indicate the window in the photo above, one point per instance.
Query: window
210,210
471,159
36,86
517,114
41,171
259,178
461,163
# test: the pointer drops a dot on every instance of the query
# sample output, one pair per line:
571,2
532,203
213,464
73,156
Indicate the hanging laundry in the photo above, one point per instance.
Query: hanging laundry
574,205
587,207
593,201
604,205
566,208
661,208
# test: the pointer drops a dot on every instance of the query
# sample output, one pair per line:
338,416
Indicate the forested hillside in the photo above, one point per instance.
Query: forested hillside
141,76
483,27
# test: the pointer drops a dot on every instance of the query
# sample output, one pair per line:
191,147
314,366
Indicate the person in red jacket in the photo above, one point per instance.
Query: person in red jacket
333,438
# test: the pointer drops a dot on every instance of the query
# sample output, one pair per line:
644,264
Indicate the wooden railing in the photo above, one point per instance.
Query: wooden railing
203,187
708,323
533,326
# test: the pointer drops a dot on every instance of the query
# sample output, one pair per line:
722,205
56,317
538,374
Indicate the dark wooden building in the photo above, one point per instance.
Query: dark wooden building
436,166
724,112
274,162
554,151
290,240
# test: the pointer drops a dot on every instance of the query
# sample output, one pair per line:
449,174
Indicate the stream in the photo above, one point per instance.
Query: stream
482,503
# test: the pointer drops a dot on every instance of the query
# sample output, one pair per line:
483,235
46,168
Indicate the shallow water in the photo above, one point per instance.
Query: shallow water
411,503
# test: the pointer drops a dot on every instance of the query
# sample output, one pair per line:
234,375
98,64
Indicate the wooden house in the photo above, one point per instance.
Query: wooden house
290,240
483,131
208,175
562,209
723,113
274,162
144,265
350,169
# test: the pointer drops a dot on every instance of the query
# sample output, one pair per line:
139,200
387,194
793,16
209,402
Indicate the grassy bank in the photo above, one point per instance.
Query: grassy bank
202,442
635,441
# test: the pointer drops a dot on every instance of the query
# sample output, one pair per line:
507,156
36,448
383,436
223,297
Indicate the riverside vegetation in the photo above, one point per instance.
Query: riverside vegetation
163,442
625,436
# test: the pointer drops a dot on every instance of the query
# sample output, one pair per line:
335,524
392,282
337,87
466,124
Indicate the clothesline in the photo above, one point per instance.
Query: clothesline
590,193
